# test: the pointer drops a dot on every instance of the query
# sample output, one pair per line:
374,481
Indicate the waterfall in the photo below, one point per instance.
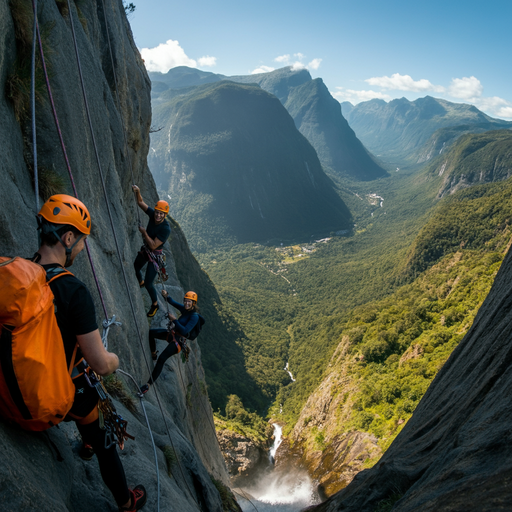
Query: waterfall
287,370
278,437
282,489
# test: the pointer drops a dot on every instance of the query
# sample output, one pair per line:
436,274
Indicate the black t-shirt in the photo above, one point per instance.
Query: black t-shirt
75,310
162,230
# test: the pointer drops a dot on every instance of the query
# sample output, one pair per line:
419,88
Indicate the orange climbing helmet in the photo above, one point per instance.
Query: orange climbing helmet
162,206
191,296
64,209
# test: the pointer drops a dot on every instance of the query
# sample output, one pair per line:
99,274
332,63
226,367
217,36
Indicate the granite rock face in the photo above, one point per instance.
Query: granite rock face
455,452
42,471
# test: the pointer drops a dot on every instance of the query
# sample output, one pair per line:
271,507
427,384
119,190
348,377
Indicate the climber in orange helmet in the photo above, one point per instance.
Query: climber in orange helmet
154,235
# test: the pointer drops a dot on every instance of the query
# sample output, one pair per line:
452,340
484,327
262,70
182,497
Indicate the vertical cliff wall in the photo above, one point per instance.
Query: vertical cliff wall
32,475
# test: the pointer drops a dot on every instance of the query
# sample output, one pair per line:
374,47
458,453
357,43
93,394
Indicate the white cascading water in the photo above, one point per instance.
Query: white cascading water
278,437
285,489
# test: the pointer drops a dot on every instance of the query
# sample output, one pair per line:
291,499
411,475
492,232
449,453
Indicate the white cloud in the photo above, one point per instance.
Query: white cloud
207,61
283,59
169,55
298,65
494,106
400,82
358,96
505,112
314,64
166,56
262,69
466,88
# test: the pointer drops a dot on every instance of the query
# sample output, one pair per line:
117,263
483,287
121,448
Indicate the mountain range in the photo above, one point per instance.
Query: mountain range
316,113
238,170
404,132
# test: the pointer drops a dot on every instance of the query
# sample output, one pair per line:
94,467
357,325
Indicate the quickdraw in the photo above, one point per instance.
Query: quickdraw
158,259
110,421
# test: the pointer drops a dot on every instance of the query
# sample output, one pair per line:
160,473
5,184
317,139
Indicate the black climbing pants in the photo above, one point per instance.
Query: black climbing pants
111,468
171,349
141,259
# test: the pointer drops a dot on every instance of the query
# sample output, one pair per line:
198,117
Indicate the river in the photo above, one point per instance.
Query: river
284,489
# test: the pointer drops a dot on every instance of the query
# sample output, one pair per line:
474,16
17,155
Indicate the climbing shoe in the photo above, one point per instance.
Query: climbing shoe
138,499
86,452
144,389
141,284
152,310
154,355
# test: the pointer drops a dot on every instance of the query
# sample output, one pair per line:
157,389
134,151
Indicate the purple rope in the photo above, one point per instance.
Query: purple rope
33,104
119,107
68,166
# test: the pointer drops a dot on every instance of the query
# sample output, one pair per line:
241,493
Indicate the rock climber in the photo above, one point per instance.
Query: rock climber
154,235
64,224
188,320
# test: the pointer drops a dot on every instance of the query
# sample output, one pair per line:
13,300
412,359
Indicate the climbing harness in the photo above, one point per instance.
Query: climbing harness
174,337
157,259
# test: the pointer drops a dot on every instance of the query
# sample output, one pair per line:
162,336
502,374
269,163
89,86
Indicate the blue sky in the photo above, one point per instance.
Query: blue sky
362,49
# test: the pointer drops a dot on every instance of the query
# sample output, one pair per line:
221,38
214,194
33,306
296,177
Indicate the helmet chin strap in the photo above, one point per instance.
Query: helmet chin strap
44,228
69,250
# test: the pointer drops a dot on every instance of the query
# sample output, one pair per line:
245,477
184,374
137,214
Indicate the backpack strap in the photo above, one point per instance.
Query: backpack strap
55,272
52,274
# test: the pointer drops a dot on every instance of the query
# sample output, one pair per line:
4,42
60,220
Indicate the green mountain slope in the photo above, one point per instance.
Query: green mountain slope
318,117
316,113
237,169
474,159
395,131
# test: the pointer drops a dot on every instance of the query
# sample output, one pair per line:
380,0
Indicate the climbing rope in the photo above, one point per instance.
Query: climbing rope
106,327
244,496
108,322
116,88
114,232
150,432
66,159
33,104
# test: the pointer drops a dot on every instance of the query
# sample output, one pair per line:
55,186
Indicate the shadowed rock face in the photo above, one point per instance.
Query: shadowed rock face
31,476
455,453
244,457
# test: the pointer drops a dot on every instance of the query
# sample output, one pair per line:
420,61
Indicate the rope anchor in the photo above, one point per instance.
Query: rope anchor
107,324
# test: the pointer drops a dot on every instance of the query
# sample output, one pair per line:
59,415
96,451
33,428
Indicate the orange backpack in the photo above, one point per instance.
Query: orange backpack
36,390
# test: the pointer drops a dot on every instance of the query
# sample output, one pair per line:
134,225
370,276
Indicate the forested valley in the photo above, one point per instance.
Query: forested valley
374,308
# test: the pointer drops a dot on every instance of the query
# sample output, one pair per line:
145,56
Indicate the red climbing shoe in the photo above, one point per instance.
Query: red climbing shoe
86,452
138,499
144,389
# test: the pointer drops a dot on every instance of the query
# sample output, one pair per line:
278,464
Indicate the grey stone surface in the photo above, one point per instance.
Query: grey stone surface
31,475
